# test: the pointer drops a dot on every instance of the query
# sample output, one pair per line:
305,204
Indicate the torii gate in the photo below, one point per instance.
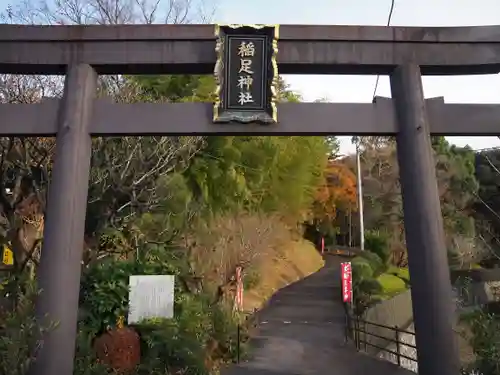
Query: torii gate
404,53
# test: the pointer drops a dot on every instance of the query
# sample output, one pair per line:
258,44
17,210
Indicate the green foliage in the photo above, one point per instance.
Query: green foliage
374,281
251,278
104,286
455,172
391,284
199,334
225,330
455,169
269,174
485,340
402,273
144,193
371,286
176,88
488,203
86,362
376,264
378,243
364,283
21,334
361,268
169,345
131,176
176,343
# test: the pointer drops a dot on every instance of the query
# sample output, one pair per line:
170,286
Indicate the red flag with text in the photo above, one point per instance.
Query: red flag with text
346,274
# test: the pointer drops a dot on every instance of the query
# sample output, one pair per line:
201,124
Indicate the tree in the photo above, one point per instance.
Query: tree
125,170
382,195
487,205
457,185
146,193
268,174
337,194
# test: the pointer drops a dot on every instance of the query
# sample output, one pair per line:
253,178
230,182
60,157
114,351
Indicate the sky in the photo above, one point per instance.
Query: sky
457,89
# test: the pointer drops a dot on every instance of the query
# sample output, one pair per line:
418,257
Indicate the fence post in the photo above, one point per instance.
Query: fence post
365,335
346,331
356,330
398,345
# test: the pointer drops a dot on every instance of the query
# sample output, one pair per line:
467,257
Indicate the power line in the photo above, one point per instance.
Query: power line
389,18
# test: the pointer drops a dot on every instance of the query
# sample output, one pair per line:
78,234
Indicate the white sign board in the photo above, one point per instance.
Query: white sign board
150,296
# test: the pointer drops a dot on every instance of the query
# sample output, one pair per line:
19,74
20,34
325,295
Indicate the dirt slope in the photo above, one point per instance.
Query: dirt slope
292,262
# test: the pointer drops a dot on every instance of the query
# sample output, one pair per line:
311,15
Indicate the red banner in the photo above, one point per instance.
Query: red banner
346,274
322,245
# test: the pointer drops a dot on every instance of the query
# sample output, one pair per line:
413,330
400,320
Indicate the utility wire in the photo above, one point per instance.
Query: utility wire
356,141
389,18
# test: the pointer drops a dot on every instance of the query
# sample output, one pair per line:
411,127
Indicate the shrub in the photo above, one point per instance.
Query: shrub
378,243
86,362
365,286
402,272
195,342
465,253
167,349
376,264
361,269
104,288
251,278
485,340
201,335
371,287
366,293
391,284
21,334
230,241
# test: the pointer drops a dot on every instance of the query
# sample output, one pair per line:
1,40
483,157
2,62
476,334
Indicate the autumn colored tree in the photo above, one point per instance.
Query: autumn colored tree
337,193
339,190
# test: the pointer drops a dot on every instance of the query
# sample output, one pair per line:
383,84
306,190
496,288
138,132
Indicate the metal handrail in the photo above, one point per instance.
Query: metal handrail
384,326
356,331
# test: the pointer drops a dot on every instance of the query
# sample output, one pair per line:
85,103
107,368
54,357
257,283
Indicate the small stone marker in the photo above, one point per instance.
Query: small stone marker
150,296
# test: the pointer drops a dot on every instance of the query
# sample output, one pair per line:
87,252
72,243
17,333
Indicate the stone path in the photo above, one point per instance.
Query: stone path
302,333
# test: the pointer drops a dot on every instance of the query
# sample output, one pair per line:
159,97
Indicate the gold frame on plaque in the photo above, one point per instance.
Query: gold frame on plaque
240,116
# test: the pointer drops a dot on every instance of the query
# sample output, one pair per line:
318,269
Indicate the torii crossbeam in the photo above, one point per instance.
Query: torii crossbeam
119,119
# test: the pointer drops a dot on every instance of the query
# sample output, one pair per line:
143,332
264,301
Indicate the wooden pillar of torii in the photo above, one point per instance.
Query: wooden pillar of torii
60,264
433,315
